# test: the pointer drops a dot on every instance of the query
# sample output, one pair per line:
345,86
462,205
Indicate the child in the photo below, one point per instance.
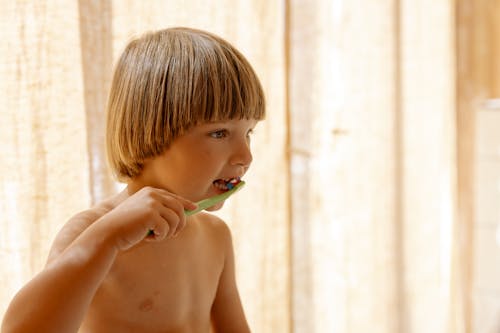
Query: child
182,105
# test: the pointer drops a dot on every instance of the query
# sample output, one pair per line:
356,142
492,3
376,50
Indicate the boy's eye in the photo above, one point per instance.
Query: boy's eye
219,134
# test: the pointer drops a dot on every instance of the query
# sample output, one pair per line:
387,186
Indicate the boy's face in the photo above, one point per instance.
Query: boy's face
199,159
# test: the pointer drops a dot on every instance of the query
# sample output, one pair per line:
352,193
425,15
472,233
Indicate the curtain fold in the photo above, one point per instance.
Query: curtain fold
343,159
96,36
44,171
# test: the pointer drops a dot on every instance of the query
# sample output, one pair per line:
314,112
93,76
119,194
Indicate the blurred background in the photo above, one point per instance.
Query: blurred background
374,199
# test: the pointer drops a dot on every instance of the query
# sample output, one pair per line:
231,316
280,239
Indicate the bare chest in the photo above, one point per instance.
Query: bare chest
168,286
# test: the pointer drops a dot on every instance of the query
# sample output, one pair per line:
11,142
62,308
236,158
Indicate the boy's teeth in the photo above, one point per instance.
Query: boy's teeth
226,183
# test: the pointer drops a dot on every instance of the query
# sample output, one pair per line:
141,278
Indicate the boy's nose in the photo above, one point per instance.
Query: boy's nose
242,155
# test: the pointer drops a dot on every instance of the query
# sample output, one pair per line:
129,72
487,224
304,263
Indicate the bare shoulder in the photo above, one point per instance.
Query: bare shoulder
215,225
75,226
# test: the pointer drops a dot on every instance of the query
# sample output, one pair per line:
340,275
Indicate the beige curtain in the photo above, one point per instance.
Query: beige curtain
350,222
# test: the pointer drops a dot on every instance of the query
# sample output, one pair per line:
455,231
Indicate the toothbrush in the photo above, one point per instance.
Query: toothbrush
209,202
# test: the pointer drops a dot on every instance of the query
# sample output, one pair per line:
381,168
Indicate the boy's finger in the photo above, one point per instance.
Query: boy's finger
187,204
172,219
158,231
181,225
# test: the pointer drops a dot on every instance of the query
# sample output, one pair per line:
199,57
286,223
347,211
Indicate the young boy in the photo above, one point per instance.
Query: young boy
182,106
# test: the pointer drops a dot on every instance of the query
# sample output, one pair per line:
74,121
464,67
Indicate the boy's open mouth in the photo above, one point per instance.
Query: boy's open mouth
227,183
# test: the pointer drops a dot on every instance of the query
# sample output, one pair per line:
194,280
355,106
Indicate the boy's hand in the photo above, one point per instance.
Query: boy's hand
149,209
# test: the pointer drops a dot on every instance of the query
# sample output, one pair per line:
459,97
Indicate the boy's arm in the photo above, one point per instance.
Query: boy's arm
227,310
57,298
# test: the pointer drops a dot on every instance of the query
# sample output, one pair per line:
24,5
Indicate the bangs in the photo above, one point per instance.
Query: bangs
227,88
219,84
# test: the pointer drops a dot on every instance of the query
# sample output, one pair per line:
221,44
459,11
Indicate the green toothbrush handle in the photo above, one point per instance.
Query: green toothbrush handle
207,203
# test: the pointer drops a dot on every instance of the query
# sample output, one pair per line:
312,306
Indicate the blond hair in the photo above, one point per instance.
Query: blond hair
168,81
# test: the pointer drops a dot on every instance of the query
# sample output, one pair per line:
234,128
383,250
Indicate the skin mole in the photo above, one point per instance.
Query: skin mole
146,305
